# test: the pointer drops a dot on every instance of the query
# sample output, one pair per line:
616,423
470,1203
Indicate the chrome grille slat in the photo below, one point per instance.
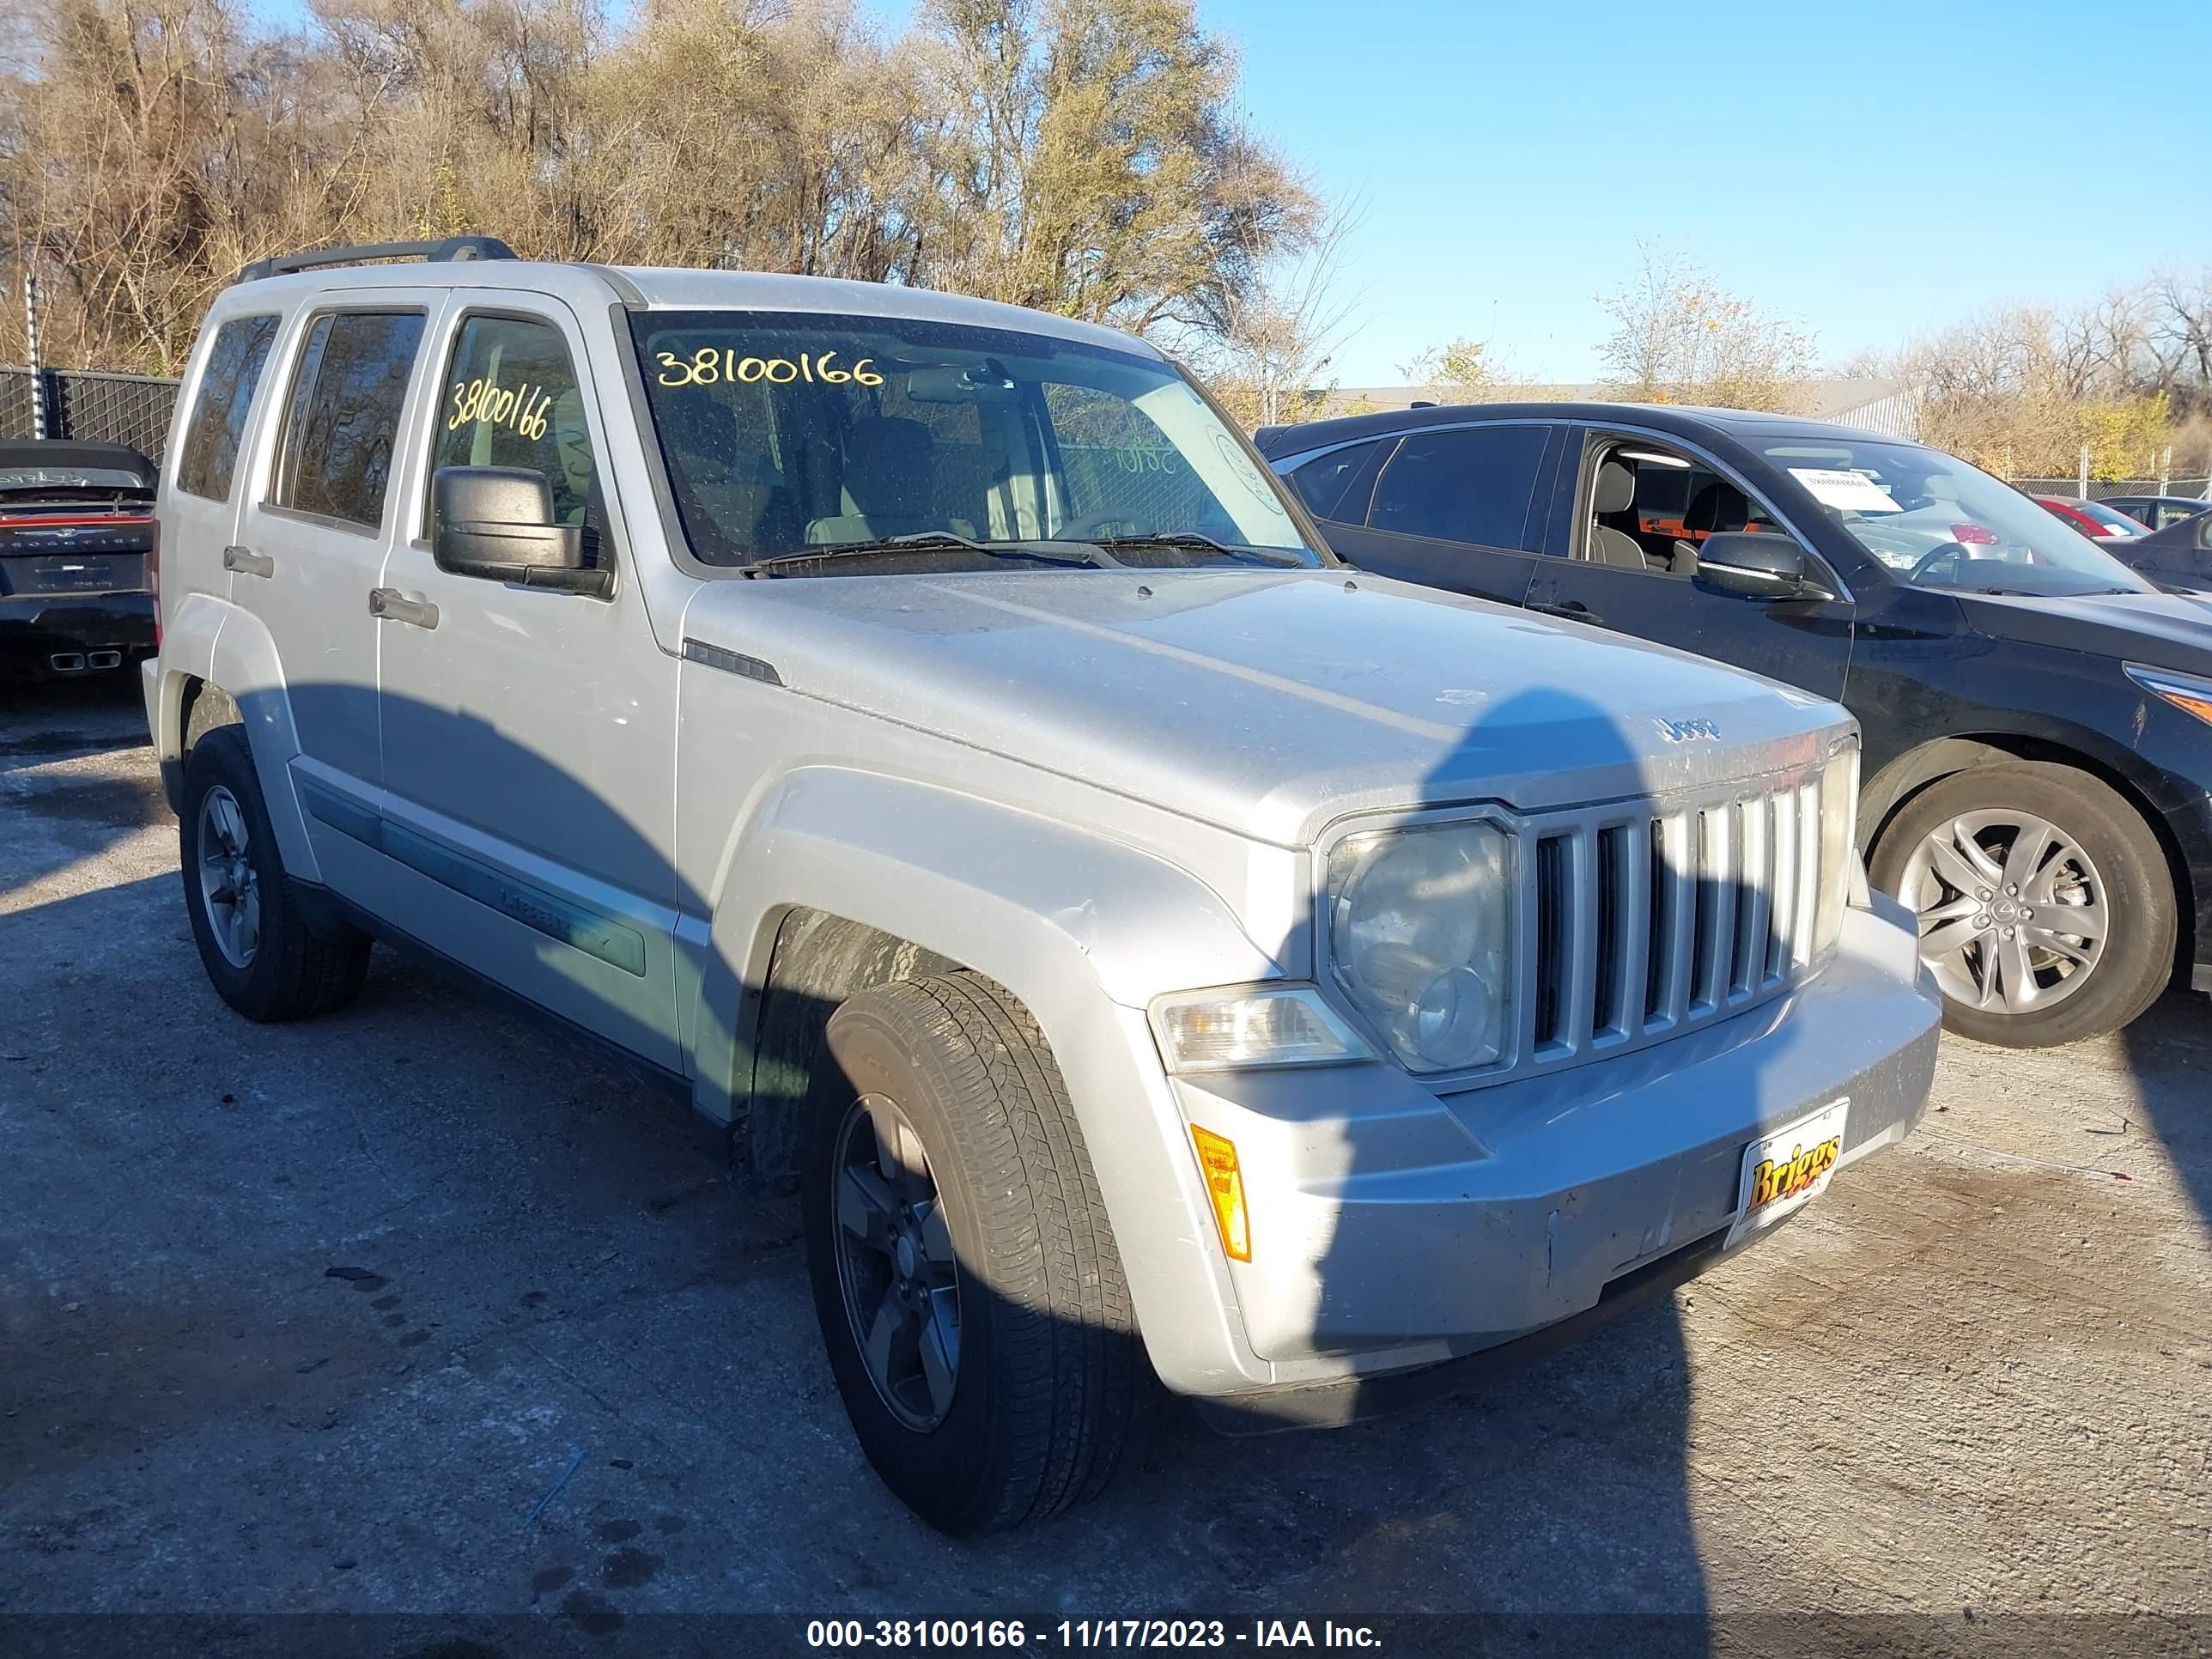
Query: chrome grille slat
1808,874
1783,895
1633,873
1715,905
1581,976
1750,969
1681,917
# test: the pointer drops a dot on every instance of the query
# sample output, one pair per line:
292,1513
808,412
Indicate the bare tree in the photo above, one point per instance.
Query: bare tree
1266,350
1680,337
1078,155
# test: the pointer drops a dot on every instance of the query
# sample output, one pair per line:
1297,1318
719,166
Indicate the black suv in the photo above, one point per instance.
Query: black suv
2038,718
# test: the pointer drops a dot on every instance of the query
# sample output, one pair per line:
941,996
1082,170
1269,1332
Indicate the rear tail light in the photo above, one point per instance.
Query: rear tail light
1973,535
153,577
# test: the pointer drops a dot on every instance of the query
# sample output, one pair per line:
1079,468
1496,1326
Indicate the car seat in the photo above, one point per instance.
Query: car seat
890,484
733,483
1615,492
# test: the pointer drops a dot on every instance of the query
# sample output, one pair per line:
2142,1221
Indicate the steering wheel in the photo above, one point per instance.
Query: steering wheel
1928,561
1090,524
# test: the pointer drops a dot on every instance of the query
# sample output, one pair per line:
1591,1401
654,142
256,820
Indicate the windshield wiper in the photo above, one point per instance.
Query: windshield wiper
925,541
1193,538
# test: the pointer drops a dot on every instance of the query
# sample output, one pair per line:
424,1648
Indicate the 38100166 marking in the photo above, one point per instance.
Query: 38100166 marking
709,366
926,1635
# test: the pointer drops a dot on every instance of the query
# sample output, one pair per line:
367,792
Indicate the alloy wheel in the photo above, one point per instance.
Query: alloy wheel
2014,914
229,886
895,1262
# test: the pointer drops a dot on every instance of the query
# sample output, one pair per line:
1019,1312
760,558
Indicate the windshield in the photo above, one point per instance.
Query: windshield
785,433
2118,523
1939,522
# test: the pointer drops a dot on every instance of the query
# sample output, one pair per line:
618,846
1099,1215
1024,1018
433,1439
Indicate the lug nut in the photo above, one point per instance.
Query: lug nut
1987,895
2008,933
2012,892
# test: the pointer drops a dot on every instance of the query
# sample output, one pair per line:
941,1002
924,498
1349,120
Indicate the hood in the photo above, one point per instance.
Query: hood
1267,703
2164,631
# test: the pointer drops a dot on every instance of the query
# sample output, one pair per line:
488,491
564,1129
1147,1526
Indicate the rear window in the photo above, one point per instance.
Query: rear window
1466,485
347,395
68,477
218,424
1325,483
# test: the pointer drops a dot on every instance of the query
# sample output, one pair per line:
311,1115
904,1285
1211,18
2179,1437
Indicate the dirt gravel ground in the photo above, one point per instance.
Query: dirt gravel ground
314,1317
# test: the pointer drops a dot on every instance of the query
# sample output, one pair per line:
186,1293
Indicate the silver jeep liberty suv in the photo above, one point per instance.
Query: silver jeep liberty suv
921,733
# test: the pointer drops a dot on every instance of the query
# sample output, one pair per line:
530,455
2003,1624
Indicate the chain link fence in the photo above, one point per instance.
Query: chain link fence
89,406
2099,488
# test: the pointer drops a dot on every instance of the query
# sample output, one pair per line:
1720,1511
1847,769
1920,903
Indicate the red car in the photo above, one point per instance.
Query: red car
2091,517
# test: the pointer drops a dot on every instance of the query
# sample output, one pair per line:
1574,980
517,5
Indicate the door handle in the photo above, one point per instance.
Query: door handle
390,604
1568,610
246,562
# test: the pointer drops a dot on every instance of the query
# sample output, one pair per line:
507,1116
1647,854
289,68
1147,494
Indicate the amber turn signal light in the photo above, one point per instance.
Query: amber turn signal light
1217,1160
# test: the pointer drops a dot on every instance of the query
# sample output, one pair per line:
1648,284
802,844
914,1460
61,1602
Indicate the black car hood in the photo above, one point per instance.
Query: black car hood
2162,629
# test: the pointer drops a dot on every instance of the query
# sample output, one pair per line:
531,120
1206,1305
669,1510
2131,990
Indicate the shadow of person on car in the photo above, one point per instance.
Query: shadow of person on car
1547,1493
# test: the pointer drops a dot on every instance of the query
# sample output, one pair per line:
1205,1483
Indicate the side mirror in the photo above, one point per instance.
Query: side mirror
496,523
1745,565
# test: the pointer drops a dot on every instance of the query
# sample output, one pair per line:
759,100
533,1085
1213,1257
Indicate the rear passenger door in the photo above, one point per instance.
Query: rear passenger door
311,541
199,512
1452,507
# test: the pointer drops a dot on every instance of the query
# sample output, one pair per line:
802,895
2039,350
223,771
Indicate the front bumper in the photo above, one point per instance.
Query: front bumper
34,627
1392,1229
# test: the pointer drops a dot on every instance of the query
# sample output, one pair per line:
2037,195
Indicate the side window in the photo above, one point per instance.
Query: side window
346,396
217,424
1652,509
511,399
1468,485
1326,484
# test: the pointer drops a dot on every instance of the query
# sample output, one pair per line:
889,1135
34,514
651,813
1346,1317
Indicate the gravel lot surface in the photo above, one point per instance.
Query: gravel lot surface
314,1317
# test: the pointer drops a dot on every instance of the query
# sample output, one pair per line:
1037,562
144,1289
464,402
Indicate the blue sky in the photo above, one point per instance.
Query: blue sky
1867,169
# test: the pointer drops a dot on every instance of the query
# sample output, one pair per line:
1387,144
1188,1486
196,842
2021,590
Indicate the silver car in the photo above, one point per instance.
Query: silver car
921,734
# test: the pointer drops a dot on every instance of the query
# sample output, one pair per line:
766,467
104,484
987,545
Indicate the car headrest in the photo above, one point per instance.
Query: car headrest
1616,487
1717,507
888,466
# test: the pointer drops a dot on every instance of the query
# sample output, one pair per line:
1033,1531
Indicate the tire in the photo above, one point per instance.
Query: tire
290,970
1038,1410
2069,986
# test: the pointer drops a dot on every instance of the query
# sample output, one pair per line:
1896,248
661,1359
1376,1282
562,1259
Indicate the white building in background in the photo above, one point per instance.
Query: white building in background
1871,405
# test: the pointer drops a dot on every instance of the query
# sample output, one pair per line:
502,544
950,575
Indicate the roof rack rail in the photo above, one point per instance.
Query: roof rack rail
451,248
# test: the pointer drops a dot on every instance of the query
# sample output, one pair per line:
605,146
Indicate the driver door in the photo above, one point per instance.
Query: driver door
529,733
1678,499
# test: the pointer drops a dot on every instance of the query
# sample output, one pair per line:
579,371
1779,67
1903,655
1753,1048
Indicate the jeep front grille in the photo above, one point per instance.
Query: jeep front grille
1647,919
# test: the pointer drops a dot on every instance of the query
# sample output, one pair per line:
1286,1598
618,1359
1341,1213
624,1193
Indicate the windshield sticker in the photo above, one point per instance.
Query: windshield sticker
706,365
523,410
1854,492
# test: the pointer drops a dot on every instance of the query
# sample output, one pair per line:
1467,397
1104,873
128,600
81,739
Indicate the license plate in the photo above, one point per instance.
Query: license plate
1786,1170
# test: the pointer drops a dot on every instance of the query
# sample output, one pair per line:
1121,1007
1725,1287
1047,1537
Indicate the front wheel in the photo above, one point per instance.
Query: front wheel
2045,904
965,1276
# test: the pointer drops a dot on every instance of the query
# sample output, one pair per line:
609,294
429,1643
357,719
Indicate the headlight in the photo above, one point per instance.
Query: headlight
1420,929
2186,692
1229,1030
1839,816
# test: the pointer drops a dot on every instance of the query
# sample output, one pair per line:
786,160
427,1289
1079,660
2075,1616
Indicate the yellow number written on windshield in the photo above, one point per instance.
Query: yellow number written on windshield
706,366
